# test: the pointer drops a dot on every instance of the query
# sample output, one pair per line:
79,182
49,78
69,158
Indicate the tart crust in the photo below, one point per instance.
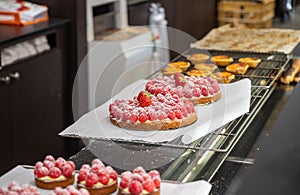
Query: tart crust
157,125
106,190
53,184
207,100
252,62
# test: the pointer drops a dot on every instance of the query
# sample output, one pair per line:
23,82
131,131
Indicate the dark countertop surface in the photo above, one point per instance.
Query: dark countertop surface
11,34
276,168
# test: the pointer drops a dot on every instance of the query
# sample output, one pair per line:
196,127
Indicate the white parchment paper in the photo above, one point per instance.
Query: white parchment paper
235,102
25,176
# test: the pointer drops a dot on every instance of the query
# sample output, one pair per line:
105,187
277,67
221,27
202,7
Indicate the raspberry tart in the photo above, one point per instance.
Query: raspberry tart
53,173
72,190
199,90
139,182
146,111
97,178
15,188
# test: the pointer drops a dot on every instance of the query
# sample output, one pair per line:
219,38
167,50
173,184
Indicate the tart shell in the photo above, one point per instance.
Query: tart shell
100,191
49,185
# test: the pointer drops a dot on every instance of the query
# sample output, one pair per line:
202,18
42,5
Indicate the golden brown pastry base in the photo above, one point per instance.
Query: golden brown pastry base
100,191
151,193
157,125
207,100
49,185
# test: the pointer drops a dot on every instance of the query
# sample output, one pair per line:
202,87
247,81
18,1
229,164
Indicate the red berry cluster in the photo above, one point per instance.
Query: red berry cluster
15,189
179,79
69,190
139,180
54,168
95,173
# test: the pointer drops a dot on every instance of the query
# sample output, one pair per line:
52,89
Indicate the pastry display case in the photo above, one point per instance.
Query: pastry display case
218,156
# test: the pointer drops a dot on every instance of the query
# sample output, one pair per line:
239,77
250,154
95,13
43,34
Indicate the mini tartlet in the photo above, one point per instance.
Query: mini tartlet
252,62
168,71
223,77
222,60
72,190
206,67
198,73
52,173
180,64
237,68
198,58
139,182
97,178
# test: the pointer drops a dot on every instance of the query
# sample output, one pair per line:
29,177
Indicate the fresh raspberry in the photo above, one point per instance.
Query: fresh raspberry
138,177
171,115
104,179
86,167
139,170
67,170
133,117
71,163
102,172
135,187
91,179
84,191
39,164
50,158
178,114
55,172
188,93
41,172
197,92
143,117
149,185
126,116
154,173
162,116
156,182
98,162
60,162
124,184
113,174
82,175
96,168
204,91
126,174
49,164
152,116
146,176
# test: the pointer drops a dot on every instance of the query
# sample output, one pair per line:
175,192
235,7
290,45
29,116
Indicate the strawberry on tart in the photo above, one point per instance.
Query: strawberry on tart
139,182
97,178
199,90
53,173
147,111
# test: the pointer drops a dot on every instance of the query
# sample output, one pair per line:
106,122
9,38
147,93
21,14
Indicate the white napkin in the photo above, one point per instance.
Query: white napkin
235,102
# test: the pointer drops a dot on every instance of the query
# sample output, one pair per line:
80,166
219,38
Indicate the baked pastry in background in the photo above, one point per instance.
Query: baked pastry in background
198,58
97,178
198,73
237,68
223,77
140,182
180,64
252,62
291,73
52,173
167,71
14,188
222,60
206,67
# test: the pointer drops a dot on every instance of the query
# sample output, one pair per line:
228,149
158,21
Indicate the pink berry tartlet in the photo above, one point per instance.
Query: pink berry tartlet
199,90
97,178
146,111
53,173
139,182
69,190
15,188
